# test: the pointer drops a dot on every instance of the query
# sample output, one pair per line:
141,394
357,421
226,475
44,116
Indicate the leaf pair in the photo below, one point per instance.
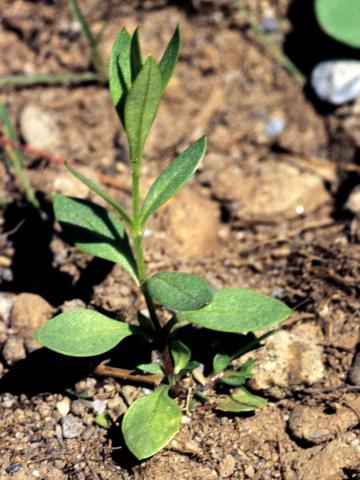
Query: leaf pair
233,310
136,88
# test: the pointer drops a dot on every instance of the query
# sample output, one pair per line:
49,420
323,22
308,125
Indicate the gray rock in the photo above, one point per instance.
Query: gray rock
287,361
14,350
38,127
275,126
337,81
72,427
99,406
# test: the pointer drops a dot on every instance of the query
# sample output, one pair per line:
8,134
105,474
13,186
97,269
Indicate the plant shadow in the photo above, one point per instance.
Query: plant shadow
31,232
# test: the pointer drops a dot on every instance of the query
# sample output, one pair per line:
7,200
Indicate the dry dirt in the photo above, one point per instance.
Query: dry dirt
266,211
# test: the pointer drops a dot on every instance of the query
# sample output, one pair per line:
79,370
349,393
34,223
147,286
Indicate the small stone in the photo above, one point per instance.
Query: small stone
354,375
63,407
3,332
337,81
6,304
38,128
275,126
287,360
29,312
31,344
80,407
72,427
74,304
129,393
14,350
227,466
268,23
8,400
99,406
116,407
353,202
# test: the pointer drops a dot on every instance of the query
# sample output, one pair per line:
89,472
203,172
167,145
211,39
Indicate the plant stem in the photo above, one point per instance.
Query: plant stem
137,232
50,79
107,371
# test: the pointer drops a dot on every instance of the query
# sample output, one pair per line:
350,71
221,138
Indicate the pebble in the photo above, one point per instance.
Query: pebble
80,407
354,375
337,81
73,304
63,407
72,427
14,350
130,393
227,466
353,202
29,312
38,128
275,126
286,361
99,406
6,304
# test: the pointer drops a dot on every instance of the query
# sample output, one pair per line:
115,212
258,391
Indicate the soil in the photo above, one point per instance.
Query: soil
266,211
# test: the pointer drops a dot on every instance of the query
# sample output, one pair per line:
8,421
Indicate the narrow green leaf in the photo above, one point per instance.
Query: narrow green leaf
220,362
102,194
141,106
237,378
120,71
150,423
95,230
340,19
238,310
82,333
180,291
9,129
175,176
153,368
189,368
241,401
170,57
181,355
136,58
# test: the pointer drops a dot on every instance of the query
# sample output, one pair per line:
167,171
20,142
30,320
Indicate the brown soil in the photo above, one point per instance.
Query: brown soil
266,212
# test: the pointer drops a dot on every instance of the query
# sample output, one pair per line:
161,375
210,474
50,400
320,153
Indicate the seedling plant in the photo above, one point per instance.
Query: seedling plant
136,87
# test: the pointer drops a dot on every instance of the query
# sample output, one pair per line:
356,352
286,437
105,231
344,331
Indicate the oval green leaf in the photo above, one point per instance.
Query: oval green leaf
220,362
181,355
95,230
180,291
175,176
150,423
141,106
83,333
238,310
170,57
241,401
340,19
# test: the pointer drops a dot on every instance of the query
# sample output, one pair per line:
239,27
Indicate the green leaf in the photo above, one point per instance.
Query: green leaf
220,362
153,368
241,401
136,58
175,176
82,333
181,355
141,106
340,19
170,57
180,291
103,420
104,195
95,230
120,77
150,423
145,323
189,368
235,379
238,310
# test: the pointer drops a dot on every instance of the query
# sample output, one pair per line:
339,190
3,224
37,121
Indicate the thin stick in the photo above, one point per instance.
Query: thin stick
31,151
106,371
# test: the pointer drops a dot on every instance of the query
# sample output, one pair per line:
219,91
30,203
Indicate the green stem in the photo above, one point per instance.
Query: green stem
98,60
137,233
50,79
